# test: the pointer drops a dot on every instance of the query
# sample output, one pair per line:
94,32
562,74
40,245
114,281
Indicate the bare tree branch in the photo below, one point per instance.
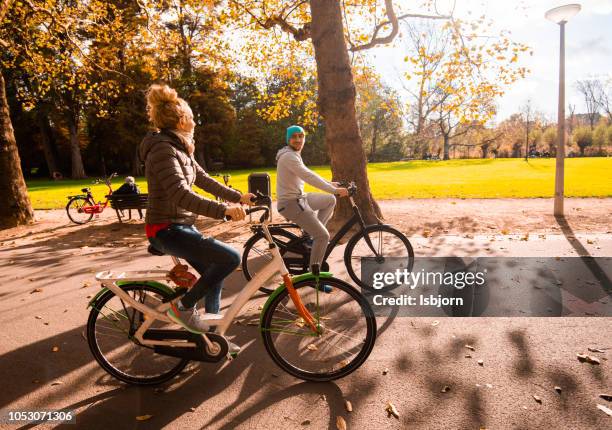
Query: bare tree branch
393,19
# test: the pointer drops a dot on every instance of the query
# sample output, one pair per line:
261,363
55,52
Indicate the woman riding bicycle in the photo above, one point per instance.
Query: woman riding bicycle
310,211
173,206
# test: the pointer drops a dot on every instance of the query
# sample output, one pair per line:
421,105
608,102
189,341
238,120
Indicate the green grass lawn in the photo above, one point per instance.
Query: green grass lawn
507,177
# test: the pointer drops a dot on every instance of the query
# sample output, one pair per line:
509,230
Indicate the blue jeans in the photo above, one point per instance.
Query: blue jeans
214,260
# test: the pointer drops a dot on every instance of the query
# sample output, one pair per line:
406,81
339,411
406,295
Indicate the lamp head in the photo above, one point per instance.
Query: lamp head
562,14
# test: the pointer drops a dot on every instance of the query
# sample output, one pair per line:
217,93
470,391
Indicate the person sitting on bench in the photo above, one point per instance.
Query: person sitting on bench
129,187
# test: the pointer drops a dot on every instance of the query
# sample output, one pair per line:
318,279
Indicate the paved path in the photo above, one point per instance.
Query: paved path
522,357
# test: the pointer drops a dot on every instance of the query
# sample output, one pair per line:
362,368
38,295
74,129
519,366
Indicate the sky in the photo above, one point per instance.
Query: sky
588,49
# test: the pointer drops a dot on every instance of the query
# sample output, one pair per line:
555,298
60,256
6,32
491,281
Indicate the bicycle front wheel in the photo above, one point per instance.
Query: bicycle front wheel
257,255
75,209
110,335
376,244
346,338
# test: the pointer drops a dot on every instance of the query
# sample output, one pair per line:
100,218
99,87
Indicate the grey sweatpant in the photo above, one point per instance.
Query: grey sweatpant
311,213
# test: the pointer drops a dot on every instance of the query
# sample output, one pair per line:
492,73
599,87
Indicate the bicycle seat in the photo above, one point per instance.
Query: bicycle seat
154,251
85,190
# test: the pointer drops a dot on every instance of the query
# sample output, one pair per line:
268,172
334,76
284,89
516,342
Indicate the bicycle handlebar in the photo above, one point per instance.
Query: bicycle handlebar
254,209
350,186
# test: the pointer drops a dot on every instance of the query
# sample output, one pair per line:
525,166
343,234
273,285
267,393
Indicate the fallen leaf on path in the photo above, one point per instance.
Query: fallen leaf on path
348,405
590,242
340,423
537,399
445,389
607,397
312,347
391,410
435,323
385,371
56,383
596,350
470,347
468,356
144,417
558,389
36,290
605,409
480,362
55,349
305,422
583,358
38,317
86,284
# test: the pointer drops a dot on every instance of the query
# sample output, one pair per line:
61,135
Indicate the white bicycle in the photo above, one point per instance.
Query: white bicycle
312,333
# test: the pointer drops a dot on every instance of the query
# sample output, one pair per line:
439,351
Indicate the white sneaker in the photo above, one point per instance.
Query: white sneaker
189,319
233,348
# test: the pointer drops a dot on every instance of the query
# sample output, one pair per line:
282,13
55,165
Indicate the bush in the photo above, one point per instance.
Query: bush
602,138
583,137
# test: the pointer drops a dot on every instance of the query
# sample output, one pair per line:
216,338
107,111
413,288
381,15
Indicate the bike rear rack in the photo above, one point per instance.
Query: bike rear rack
136,275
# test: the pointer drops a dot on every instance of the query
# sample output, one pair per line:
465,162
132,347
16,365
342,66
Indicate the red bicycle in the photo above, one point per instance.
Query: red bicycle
82,207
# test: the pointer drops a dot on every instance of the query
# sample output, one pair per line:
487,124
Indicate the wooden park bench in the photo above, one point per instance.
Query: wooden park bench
121,202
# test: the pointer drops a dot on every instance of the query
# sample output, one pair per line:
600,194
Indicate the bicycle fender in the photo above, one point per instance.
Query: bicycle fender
154,284
77,195
281,287
379,225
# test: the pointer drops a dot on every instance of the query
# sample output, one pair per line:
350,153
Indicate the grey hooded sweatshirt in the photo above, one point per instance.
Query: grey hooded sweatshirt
291,173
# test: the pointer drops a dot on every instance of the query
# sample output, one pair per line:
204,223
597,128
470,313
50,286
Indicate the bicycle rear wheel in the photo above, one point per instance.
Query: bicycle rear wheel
386,242
110,334
348,331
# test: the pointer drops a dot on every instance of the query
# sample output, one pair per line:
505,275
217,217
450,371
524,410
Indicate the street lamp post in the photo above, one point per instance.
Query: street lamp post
560,15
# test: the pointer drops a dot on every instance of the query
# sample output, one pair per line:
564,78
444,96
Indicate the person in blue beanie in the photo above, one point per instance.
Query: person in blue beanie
311,211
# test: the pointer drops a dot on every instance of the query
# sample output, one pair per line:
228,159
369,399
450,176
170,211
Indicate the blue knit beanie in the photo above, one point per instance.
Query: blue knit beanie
294,129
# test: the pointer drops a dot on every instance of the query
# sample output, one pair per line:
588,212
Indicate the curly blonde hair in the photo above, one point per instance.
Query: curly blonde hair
167,110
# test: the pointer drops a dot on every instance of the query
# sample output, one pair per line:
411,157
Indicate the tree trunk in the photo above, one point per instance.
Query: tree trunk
527,142
137,166
336,103
446,147
46,141
15,206
78,171
374,138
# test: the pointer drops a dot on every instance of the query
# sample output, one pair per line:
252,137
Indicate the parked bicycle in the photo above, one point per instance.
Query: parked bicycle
311,334
82,207
373,243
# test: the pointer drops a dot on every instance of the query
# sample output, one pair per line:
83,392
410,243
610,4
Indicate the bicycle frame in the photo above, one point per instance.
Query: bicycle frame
355,219
109,280
99,207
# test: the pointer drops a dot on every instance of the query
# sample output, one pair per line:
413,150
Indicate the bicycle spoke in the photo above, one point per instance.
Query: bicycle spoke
123,356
